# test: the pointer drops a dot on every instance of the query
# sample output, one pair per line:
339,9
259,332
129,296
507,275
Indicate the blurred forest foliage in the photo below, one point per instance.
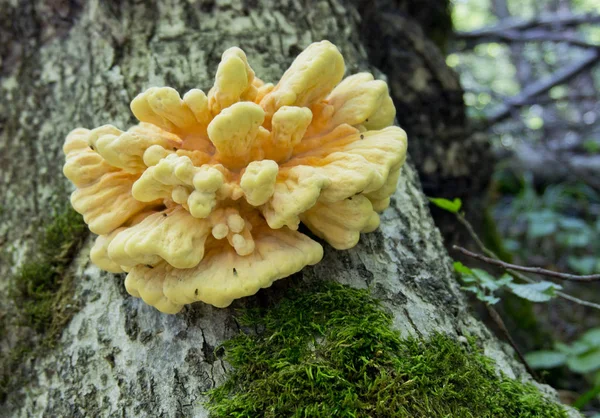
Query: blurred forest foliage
531,74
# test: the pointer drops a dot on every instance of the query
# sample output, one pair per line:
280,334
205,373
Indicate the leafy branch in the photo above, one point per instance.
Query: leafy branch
454,207
484,285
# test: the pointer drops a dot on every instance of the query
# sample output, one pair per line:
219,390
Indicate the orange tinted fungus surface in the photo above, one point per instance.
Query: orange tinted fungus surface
201,201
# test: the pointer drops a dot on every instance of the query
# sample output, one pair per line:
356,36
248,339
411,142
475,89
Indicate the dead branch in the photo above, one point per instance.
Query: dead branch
571,97
535,270
512,36
550,20
541,86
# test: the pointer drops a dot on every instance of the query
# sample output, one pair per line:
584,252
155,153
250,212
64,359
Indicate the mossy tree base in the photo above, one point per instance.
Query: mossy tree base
330,351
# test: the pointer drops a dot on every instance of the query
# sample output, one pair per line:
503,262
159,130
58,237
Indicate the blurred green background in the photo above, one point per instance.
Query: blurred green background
531,77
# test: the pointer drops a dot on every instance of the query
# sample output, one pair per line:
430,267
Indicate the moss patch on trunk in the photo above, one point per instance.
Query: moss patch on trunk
330,351
42,294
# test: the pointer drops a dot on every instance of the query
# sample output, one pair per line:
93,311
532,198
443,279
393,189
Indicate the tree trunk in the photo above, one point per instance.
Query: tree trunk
402,40
65,65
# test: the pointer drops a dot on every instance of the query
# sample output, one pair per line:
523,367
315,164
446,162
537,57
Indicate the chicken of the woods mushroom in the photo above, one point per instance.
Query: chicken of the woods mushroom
201,201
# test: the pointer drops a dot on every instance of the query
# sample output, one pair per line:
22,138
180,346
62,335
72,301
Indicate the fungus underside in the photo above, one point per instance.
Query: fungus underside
330,351
42,292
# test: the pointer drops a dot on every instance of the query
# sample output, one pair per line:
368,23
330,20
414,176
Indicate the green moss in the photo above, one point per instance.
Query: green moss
39,284
42,294
331,352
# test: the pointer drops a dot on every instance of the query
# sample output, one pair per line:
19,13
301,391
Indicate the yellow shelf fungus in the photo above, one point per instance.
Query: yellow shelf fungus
201,201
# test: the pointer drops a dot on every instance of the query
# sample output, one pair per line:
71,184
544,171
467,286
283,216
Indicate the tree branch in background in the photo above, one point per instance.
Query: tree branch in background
538,35
515,273
541,86
562,158
551,20
535,270
568,98
538,29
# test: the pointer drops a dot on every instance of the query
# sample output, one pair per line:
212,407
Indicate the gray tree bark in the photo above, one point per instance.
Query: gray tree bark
66,64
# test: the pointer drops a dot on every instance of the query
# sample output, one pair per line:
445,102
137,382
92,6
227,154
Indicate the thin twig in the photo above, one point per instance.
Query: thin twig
474,236
500,323
493,313
576,300
535,270
515,273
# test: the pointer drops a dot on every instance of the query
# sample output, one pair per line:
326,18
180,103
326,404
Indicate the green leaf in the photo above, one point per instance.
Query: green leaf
545,359
538,229
573,224
591,146
486,280
461,268
582,265
563,348
452,206
541,223
511,245
489,299
580,348
585,363
504,280
591,337
575,349
481,283
580,239
472,289
535,292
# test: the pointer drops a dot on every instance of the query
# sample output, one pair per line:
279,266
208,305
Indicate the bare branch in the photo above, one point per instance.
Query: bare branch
535,270
474,235
551,20
567,161
541,86
474,38
572,97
